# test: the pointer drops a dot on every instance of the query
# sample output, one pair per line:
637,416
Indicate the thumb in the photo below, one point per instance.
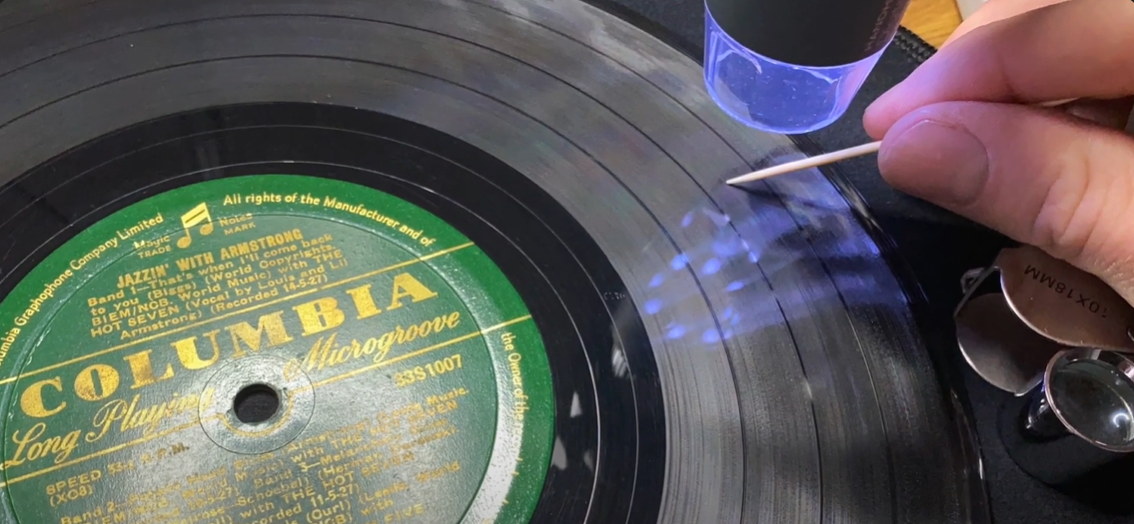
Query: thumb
1039,177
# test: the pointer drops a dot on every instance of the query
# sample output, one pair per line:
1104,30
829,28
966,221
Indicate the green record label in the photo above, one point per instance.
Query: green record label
412,382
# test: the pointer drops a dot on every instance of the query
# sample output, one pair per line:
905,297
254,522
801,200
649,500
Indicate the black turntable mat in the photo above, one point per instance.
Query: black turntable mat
713,355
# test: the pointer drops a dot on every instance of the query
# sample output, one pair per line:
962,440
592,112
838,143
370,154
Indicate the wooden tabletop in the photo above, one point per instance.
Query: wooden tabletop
932,20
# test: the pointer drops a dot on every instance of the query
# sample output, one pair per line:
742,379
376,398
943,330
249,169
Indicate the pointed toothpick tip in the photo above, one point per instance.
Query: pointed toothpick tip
806,163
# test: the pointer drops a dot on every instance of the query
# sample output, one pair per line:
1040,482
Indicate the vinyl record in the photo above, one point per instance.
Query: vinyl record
432,261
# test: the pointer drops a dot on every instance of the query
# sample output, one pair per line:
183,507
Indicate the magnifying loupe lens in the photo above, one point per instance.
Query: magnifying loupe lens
1095,399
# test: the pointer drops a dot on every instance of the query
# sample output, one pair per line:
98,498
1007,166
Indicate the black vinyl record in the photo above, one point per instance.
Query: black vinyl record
713,355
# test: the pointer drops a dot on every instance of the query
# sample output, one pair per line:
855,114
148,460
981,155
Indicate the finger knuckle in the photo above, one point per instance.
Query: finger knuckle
1064,222
1087,213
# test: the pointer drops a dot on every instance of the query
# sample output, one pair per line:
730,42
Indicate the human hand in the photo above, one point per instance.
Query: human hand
960,134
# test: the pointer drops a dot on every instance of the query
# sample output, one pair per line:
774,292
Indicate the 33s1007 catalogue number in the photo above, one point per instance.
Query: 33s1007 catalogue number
433,369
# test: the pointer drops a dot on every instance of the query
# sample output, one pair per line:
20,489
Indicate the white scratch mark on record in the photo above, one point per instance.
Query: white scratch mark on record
576,406
559,455
619,363
596,32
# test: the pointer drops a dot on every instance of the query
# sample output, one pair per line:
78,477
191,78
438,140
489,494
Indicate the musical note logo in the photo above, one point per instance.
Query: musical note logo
195,216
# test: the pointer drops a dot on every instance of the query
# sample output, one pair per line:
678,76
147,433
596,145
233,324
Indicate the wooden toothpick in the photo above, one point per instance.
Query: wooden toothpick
845,154
807,163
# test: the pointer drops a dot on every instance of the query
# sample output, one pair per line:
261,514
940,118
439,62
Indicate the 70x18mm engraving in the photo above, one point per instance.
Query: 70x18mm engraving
1066,290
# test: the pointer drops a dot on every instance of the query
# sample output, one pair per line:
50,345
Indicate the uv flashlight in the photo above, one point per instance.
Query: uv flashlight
794,66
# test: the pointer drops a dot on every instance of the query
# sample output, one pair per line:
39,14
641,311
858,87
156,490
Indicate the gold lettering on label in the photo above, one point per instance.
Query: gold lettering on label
143,369
323,354
195,261
255,246
129,415
31,401
407,286
141,276
37,303
94,254
103,375
7,341
190,357
98,382
271,323
197,216
128,233
364,302
320,315
29,448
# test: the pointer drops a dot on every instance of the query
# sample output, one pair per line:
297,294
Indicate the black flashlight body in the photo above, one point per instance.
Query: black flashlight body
816,33
793,66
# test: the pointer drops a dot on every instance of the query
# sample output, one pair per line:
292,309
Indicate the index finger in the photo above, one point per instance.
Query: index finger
1073,49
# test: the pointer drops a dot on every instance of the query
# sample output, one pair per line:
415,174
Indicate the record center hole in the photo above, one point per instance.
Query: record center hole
256,403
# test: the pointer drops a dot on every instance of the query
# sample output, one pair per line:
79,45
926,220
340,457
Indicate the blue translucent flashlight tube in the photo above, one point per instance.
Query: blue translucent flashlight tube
793,66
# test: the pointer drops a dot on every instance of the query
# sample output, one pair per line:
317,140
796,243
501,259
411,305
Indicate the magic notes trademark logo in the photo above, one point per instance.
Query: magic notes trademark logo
198,216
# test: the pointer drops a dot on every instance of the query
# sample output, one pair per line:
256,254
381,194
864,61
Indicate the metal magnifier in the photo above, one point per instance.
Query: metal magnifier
1090,393
1058,339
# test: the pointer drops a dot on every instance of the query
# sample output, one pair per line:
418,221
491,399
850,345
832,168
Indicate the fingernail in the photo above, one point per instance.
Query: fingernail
889,100
938,162
881,101
878,105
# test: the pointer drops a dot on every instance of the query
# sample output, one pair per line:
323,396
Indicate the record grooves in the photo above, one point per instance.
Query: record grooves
321,141
711,355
